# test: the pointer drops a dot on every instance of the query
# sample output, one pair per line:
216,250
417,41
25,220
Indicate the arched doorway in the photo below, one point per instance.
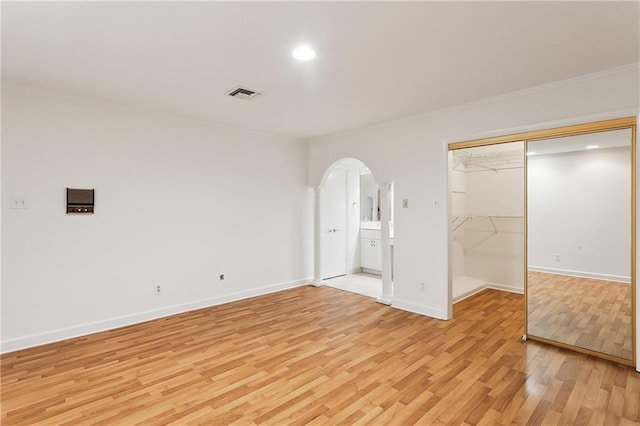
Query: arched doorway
354,231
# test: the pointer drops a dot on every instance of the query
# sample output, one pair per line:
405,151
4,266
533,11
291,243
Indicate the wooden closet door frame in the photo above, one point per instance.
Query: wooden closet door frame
558,132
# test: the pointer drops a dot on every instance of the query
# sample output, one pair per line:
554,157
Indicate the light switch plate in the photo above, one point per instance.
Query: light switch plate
19,203
405,203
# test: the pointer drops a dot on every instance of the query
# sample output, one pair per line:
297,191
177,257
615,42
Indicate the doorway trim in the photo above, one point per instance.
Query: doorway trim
385,214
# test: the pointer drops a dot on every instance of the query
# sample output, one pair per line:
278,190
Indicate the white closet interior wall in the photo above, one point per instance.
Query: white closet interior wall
487,207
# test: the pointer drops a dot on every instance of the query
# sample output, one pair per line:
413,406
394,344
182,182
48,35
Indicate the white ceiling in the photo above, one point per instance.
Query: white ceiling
376,61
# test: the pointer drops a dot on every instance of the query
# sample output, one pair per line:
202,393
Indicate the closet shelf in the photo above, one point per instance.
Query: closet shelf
495,169
494,161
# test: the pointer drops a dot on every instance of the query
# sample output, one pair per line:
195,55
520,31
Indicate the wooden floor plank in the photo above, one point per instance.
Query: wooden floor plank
317,356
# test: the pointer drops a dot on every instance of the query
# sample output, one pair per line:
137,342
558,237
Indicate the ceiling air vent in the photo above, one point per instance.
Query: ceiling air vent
243,93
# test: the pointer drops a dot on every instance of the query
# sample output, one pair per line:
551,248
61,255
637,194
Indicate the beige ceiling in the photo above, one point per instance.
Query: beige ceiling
376,61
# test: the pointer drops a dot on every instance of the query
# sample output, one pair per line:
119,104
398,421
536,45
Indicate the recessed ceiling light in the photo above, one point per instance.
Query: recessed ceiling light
531,153
304,53
593,147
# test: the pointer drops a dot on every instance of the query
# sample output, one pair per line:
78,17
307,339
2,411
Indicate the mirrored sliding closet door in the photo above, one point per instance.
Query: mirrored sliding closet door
580,266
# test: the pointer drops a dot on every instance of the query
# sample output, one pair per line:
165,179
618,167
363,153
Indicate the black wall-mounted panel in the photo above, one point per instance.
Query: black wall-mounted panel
80,200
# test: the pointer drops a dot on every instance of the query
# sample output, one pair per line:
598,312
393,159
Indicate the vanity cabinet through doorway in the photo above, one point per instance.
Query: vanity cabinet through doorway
370,255
371,251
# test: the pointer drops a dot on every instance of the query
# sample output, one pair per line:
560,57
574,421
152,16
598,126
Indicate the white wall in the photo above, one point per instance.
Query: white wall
178,202
412,153
579,209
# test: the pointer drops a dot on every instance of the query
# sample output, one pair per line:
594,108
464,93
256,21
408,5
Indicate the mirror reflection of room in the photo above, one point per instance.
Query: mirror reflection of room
579,241
369,196
370,225
487,219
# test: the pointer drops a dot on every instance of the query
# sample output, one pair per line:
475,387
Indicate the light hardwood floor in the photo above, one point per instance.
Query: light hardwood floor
592,314
318,356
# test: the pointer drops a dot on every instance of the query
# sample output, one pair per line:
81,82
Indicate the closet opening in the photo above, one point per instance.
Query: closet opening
552,214
486,191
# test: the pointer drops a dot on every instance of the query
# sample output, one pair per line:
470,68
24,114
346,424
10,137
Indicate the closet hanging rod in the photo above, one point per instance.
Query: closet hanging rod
495,170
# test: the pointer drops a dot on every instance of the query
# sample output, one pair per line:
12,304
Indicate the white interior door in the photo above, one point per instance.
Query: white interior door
334,223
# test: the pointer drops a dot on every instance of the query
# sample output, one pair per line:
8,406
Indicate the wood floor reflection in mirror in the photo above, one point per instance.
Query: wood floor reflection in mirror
588,313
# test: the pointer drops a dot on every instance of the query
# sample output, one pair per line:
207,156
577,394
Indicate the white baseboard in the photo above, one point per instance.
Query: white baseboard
125,320
504,287
493,286
581,274
468,294
429,311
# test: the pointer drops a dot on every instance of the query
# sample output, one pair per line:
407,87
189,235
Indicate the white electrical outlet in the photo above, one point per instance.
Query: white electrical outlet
422,287
157,289
557,258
